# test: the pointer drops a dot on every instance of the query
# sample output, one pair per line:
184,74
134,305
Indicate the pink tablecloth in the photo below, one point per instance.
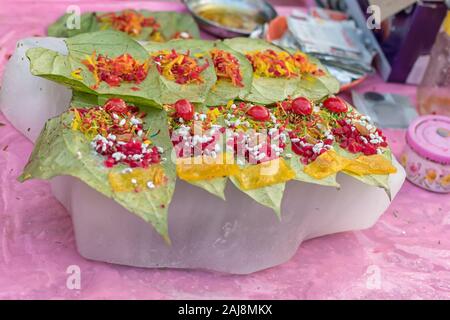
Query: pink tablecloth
405,255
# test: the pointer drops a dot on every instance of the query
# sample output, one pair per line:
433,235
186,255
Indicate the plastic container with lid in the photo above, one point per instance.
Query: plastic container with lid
426,157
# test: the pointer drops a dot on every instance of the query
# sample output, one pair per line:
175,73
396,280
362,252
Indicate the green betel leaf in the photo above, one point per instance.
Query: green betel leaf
331,83
213,186
60,68
296,164
170,23
169,90
84,100
60,150
264,90
376,180
270,196
224,90
54,66
316,87
65,26
269,90
111,44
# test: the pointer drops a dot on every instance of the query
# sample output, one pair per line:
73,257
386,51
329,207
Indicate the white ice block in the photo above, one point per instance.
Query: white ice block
235,236
28,101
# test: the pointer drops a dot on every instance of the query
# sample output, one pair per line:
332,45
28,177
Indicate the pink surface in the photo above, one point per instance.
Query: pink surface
405,255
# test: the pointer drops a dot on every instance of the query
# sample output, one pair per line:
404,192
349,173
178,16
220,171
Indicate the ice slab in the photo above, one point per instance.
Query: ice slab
28,101
234,236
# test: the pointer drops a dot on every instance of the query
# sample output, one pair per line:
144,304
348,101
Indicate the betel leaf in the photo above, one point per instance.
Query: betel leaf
264,90
264,182
296,165
66,26
51,65
269,196
169,90
60,150
214,186
224,90
84,100
111,44
269,90
169,24
60,68
173,22
330,82
315,87
376,180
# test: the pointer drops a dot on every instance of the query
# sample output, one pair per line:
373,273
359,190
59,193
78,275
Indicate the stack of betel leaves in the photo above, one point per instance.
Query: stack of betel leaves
142,25
207,112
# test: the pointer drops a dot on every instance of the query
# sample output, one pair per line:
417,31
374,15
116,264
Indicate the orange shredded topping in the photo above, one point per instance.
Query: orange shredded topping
116,70
128,21
272,64
180,67
227,67
305,66
100,120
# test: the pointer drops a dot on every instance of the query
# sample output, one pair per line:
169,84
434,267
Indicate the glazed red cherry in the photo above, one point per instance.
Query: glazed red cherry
335,105
296,147
116,105
286,106
110,162
184,109
259,113
301,106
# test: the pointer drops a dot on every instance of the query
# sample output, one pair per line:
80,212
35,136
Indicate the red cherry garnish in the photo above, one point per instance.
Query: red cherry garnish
110,162
116,105
335,105
286,106
296,147
184,109
259,113
301,106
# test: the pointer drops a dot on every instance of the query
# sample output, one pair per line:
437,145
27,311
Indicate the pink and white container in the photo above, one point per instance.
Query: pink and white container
426,157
